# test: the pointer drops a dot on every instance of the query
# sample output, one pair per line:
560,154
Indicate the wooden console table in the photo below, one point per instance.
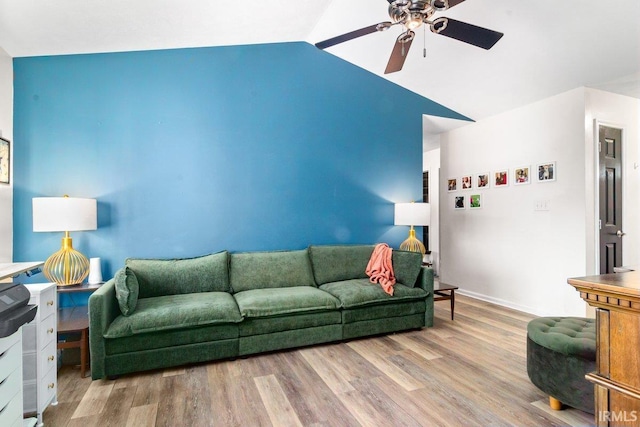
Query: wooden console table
617,379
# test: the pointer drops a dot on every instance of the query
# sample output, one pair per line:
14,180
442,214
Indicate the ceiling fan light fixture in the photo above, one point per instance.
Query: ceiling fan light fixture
414,20
411,14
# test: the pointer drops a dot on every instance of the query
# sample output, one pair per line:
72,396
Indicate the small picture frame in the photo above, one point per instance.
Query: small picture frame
546,172
483,180
452,184
466,182
459,202
501,178
475,201
522,175
5,161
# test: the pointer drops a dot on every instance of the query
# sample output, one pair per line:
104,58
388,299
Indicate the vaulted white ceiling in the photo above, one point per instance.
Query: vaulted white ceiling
549,46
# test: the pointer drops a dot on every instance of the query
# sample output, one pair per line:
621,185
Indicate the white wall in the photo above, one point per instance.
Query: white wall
431,162
6,131
509,253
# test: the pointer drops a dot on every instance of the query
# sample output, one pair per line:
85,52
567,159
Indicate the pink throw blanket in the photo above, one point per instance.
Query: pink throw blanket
380,269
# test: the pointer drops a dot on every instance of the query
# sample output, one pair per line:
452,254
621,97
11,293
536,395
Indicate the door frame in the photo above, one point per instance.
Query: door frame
596,184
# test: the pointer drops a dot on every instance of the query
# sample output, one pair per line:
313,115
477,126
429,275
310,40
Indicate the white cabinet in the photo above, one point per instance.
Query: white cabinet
39,351
11,380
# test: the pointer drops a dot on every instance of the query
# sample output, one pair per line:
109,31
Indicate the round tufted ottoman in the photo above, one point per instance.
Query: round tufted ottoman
560,351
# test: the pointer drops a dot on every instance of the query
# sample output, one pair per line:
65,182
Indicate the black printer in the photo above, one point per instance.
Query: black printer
14,308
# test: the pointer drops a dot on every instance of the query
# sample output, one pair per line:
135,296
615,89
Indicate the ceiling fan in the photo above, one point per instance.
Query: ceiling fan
412,14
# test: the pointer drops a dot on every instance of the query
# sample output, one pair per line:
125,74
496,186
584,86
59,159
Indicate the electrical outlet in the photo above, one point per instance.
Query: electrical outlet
541,205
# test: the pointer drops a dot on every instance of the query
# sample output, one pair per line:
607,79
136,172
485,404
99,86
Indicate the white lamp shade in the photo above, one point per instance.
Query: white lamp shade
412,214
64,214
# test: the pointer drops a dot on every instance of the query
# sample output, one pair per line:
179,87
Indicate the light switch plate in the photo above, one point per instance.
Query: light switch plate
541,205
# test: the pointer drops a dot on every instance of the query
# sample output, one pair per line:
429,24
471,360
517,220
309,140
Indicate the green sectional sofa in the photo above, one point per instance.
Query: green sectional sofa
161,313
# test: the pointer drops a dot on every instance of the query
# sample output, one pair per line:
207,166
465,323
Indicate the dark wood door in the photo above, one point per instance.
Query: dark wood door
610,147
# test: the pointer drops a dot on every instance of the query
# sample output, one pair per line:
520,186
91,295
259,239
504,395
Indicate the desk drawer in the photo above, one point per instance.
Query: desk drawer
10,360
47,331
47,304
9,388
12,412
7,342
48,387
48,357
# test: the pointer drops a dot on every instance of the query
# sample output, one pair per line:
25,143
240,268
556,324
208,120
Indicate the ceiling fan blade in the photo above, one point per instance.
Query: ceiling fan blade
350,36
439,4
471,34
399,54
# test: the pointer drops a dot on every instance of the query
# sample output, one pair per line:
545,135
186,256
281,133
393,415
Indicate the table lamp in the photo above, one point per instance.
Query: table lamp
412,214
65,214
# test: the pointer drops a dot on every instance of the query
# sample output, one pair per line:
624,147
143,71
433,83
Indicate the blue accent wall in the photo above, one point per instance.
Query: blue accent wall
192,151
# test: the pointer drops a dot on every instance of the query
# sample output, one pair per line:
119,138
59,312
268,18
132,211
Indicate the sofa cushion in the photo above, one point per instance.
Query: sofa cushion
406,266
343,262
159,277
361,292
276,269
280,301
251,326
176,312
126,285
402,308
172,338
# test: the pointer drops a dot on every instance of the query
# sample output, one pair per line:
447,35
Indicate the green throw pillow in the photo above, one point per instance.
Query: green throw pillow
126,290
406,266
160,277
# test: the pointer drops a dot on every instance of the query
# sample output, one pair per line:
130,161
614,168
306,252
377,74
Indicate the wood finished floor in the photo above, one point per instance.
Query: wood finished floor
469,372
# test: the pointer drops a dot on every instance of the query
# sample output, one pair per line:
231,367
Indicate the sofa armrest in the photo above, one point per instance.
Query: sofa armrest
103,309
425,281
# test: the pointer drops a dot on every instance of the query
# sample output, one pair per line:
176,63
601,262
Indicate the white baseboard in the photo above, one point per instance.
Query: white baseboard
504,303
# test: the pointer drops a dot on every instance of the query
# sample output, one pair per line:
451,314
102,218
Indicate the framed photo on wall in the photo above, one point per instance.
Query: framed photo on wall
458,202
452,184
466,182
546,172
522,175
501,178
475,201
482,180
5,161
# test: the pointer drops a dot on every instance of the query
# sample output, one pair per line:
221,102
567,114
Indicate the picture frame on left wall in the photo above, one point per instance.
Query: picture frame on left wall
5,160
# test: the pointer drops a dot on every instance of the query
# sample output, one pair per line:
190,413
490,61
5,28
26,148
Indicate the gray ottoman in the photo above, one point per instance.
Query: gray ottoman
560,351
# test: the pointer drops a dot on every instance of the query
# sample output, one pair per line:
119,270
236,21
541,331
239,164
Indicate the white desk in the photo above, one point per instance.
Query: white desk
13,269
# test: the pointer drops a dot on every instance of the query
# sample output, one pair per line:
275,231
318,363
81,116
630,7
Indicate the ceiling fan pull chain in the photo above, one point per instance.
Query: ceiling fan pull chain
424,41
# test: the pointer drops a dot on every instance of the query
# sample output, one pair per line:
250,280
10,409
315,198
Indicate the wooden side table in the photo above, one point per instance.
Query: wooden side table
444,292
75,320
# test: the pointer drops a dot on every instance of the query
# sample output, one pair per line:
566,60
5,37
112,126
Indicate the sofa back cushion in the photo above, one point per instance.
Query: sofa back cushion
159,277
406,266
342,262
275,269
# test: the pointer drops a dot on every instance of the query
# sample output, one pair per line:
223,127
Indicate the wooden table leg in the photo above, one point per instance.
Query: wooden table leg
83,352
453,299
